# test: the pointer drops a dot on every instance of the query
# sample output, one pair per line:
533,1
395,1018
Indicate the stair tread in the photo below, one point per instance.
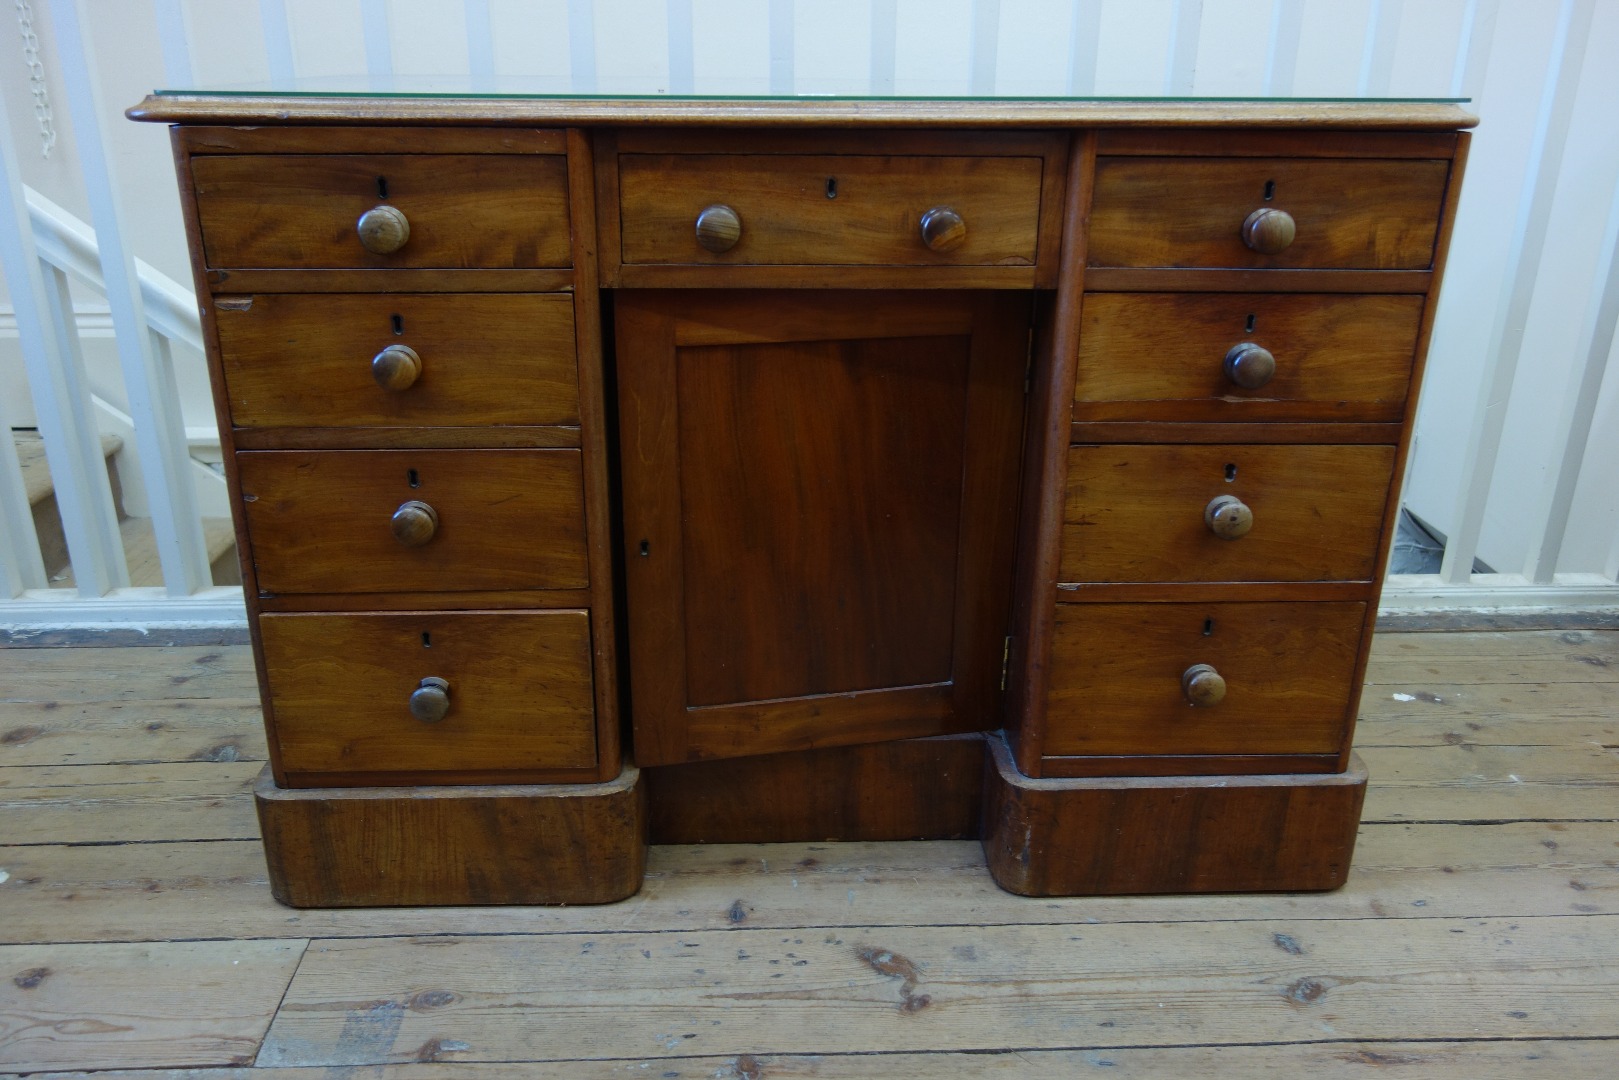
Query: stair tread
36,474
140,550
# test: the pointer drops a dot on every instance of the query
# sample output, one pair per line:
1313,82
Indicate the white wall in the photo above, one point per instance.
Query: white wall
1027,47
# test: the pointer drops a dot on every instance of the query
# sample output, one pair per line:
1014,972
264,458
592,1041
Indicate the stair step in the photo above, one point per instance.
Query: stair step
36,474
140,551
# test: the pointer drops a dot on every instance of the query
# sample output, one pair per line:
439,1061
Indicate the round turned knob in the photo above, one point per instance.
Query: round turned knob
1250,366
414,523
718,228
431,700
943,230
398,366
1228,517
383,230
1202,685
1268,231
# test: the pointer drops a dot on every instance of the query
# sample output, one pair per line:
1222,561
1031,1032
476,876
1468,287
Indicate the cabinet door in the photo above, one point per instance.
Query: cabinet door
820,493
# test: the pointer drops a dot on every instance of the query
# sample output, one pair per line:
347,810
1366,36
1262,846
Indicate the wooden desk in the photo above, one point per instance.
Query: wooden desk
751,471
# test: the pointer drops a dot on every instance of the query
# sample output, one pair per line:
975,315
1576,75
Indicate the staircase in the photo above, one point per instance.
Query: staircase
140,544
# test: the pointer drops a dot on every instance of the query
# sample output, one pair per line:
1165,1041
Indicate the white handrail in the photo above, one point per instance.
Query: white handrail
69,244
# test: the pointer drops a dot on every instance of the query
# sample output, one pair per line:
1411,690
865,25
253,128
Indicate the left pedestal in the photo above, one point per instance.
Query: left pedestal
517,844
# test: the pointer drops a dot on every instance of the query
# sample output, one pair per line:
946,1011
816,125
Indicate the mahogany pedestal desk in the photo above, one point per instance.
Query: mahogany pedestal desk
690,471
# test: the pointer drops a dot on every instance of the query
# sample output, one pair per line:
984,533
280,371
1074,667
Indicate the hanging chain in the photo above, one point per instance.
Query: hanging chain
36,77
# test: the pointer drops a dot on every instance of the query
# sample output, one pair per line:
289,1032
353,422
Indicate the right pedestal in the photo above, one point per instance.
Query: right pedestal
1168,834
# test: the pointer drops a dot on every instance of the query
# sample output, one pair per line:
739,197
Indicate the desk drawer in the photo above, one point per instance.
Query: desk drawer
1142,513
1164,356
332,521
460,210
829,210
1347,214
422,360
1117,674
516,698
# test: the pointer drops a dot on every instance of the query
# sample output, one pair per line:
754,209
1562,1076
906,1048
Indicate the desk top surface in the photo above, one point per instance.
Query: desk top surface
405,100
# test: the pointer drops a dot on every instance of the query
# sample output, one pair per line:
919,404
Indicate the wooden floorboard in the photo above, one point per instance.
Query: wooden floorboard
1476,936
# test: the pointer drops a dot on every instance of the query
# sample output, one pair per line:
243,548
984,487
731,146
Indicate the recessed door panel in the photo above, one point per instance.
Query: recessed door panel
820,496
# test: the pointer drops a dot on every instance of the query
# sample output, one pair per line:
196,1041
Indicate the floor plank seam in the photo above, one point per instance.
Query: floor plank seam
285,990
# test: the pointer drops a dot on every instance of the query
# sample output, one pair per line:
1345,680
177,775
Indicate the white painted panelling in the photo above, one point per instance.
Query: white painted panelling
1330,48
1133,47
328,39
884,44
632,45
1033,43
1232,45
832,46
1185,28
426,37
174,33
480,33
1085,47
532,41
682,78
1573,428
277,45
934,51
1377,53
731,46
1282,50
374,25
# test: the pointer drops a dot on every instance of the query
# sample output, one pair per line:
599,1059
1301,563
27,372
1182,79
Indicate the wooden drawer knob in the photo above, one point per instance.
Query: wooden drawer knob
718,228
1250,366
398,366
943,230
431,700
383,230
1228,517
414,523
1202,685
1268,231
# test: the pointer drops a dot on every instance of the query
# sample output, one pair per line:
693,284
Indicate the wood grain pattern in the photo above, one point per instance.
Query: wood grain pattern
1049,411
596,438
821,485
789,219
1125,835
804,112
1195,279
493,844
254,282
327,138
1159,356
562,437
845,793
1259,143
818,515
1280,431
177,1003
1116,678
520,694
305,361
1168,212
946,988
508,519
471,210
1137,513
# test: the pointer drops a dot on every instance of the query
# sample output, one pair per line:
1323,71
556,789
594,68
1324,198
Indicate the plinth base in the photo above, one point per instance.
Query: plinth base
517,844
1168,834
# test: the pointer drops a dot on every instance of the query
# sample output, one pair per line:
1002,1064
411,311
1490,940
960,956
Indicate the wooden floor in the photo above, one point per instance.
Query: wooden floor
1478,936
